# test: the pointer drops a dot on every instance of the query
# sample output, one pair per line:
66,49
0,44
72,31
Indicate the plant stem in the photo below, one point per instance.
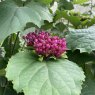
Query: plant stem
10,44
15,43
11,55
5,90
23,46
91,7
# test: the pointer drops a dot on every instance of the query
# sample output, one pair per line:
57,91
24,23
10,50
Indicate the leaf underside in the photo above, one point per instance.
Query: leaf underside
82,39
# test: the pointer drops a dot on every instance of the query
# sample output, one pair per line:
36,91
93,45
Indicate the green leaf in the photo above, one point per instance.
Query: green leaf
89,84
3,63
13,18
65,4
91,22
44,1
9,91
6,89
80,58
2,72
1,90
9,43
82,39
3,81
74,20
89,87
47,25
2,60
60,27
52,77
2,85
79,1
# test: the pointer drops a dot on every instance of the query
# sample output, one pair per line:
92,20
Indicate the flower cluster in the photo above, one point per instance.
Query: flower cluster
45,44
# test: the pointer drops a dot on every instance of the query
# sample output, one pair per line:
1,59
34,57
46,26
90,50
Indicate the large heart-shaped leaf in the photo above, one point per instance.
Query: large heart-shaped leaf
51,77
13,17
82,39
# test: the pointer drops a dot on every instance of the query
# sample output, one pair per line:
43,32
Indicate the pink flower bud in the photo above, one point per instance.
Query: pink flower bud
46,45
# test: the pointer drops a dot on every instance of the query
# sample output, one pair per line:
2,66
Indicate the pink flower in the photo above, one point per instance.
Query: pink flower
45,44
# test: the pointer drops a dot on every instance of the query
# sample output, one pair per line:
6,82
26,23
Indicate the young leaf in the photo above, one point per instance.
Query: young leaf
79,1
82,39
13,18
74,20
52,77
44,1
65,4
